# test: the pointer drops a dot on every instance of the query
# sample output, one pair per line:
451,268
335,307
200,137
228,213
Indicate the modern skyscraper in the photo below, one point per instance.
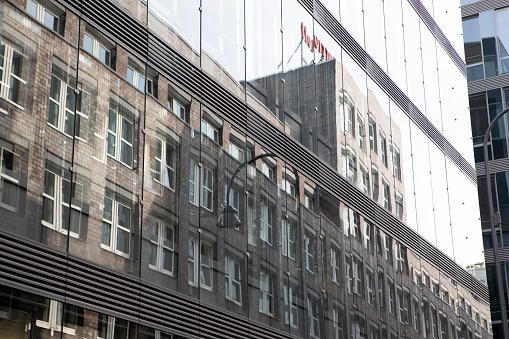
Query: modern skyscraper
122,123
485,27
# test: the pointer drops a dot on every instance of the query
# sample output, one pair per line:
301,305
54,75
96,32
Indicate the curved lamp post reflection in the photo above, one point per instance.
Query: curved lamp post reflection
229,217
495,218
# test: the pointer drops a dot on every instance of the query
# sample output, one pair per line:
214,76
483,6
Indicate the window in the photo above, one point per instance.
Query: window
425,279
116,229
351,223
350,118
370,282
309,243
268,170
349,165
234,199
336,264
386,194
381,288
374,180
361,135
112,328
401,258
383,148
207,186
364,183
372,135
388,248
436,288
209,131
232,280
288,237
314,323
207,267
236,151
165,162
63,102
290,291
349,274
357,276
434,318
206,264
396,163
266,301
9,189
288,186
120,135
266,220
49,316
368,232
399,206
391,299
57,203
337,322
178,108
416,314
136,75
47,14
12,86
403,297
308,200
162,246
98,49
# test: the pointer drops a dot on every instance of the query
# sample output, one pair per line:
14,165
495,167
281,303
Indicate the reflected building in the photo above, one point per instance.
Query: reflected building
485,35
122,123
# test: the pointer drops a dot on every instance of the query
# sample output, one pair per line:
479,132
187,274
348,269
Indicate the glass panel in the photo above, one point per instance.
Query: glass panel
489,47
223,41
374,34
395,43
352,19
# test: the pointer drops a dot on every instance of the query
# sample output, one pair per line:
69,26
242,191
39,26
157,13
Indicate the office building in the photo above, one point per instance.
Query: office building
122,123
485,24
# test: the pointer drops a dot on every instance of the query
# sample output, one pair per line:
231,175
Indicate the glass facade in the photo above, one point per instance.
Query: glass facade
122,143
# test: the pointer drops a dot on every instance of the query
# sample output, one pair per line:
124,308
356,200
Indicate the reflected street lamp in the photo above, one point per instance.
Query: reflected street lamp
495,217
229,217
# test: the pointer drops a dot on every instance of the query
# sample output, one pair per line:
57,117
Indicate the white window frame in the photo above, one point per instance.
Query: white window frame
391,296
387,247
206,266
381,290
400,258
372,135
59,204
96,49
8,75
110,328
288,186
364,182
383,148
236,152
367,236
100,142
336,323
136,76
386,194
361,135
416,314
55,321
266,300
6,177
313,319
210,131
40,15
232,276
64,113
197,187
266,221
268,170
161,246
115,227
119,140
357,276
309,252
290,301
288,239
370,295
164,168
177,108
396,162
336,264
349,274
399,205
